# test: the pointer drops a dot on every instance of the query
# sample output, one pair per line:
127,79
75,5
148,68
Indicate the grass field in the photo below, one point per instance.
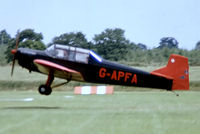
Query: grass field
122,113
24,111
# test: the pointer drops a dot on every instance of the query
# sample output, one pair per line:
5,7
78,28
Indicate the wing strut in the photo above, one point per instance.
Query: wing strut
58,85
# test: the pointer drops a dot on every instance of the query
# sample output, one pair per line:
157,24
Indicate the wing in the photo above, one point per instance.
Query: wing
45,66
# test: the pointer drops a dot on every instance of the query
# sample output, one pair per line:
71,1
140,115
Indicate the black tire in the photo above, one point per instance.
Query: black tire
44,90
48,91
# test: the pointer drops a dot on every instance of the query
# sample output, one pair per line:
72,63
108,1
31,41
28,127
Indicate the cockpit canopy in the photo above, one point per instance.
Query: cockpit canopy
71,53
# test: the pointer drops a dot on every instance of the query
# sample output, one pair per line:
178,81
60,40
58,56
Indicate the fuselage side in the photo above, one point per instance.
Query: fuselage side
96,70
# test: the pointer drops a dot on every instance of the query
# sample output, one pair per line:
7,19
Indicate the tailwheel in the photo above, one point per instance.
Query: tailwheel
45,90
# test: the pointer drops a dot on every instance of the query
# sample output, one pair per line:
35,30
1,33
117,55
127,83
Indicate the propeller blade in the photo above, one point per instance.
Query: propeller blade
17,41
14,51
13,66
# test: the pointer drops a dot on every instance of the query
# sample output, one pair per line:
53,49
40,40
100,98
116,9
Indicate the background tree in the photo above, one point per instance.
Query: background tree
28,39
197,47
168,42
142,46
4,37
29,34
73,39
112,44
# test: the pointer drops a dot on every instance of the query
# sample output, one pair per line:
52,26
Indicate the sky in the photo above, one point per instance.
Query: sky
144,21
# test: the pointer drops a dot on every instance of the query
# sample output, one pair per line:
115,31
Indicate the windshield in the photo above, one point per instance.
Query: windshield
68,53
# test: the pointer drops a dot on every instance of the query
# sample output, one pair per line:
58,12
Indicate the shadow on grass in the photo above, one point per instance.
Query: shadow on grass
30,108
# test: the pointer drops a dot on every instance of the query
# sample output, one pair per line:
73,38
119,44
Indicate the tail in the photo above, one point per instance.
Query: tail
177,69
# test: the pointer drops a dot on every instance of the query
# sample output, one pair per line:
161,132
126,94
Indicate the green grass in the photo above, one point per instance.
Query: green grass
2,55
153,112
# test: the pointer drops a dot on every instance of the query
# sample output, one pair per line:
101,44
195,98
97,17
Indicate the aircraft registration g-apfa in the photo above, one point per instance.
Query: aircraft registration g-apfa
84,65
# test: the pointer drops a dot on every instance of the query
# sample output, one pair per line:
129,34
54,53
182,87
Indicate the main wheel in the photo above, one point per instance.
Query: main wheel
44,90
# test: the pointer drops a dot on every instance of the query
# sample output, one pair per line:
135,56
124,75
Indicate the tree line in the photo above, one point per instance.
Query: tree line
111,44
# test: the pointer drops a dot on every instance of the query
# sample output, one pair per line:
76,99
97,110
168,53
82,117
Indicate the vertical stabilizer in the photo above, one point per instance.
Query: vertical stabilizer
177,69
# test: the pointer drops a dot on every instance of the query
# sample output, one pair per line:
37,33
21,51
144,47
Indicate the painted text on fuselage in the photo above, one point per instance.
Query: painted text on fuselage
118,75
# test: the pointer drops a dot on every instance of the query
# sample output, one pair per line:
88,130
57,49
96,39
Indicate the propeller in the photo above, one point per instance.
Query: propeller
14,51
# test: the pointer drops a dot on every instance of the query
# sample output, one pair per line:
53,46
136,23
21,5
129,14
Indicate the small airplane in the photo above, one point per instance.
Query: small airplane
84,65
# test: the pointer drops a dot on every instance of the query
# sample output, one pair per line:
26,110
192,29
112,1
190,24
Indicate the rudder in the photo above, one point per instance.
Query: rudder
177,69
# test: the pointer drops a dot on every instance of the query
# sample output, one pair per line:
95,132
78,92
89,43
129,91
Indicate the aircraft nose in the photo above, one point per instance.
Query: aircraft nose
13,51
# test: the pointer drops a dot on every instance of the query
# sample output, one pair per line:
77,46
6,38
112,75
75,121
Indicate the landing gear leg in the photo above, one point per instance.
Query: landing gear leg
46,89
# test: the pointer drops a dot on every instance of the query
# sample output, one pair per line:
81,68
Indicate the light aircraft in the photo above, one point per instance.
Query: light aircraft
84,65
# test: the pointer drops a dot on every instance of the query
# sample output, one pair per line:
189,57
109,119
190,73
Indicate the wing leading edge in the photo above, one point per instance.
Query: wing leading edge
45,67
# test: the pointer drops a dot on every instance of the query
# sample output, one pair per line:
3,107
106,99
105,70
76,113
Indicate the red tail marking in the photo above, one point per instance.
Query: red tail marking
176,69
